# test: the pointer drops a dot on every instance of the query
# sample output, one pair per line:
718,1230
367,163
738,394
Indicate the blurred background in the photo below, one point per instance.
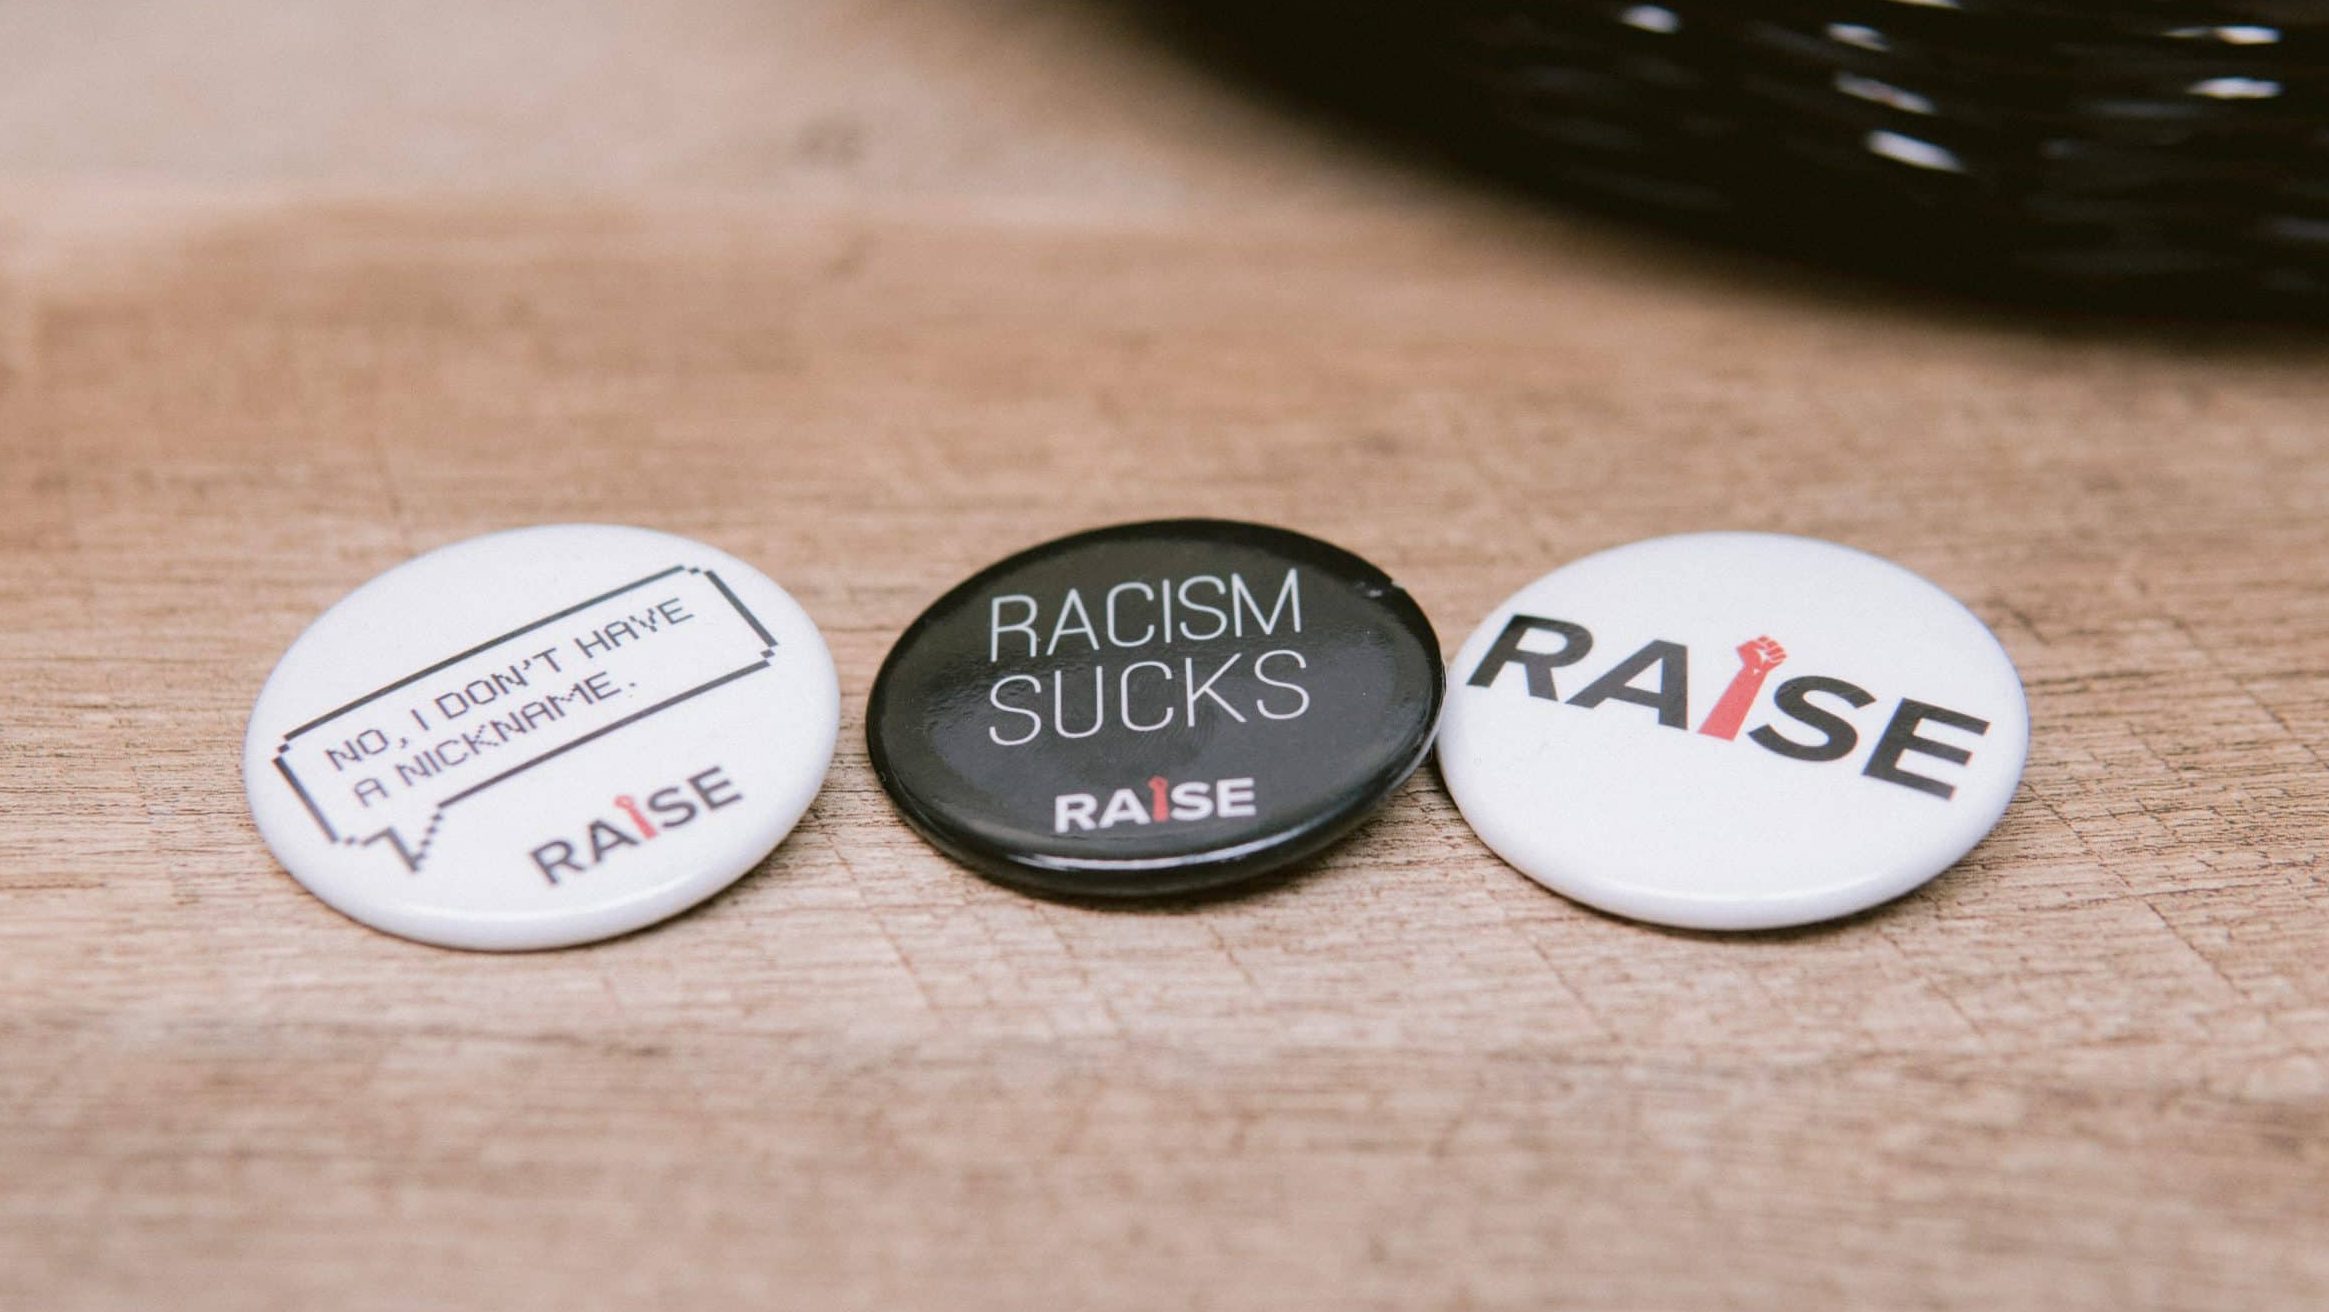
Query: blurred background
2165,157
2151,157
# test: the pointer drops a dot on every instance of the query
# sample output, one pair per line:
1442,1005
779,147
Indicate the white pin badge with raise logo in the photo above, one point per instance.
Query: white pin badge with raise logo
542,737
1733,731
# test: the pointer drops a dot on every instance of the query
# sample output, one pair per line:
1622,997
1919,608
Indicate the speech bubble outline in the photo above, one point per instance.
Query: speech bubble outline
413,856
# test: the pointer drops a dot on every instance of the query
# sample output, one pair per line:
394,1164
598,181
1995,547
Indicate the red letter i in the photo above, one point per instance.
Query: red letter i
631,809
1757,658
1156,790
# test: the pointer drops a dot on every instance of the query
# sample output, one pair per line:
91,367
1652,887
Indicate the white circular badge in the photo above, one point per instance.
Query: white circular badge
1732,731
542,737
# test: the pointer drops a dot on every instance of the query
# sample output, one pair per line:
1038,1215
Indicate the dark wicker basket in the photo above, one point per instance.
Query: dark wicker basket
2157,156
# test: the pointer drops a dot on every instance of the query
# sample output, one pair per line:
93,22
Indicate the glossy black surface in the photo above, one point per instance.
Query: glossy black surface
2152,155
1286,662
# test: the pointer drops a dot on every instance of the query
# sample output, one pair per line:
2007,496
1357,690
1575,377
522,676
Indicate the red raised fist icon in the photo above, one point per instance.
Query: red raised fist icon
1761,654
1757,658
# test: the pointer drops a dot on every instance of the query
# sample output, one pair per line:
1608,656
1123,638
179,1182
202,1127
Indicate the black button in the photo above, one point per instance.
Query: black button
1155,708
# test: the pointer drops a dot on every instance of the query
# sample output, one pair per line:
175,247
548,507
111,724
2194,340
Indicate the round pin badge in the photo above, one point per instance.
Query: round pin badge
542,737
1733,731
1155,708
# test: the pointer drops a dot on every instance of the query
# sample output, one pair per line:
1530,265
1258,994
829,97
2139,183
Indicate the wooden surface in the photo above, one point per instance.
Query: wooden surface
871,292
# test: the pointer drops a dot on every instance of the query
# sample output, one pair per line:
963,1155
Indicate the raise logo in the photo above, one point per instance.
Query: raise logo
1166,803
1813,711
635,822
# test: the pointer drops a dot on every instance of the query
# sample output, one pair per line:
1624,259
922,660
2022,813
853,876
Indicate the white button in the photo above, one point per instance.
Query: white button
1732,731
542,737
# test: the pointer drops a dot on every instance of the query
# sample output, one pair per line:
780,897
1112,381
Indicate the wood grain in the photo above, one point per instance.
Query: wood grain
871,293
